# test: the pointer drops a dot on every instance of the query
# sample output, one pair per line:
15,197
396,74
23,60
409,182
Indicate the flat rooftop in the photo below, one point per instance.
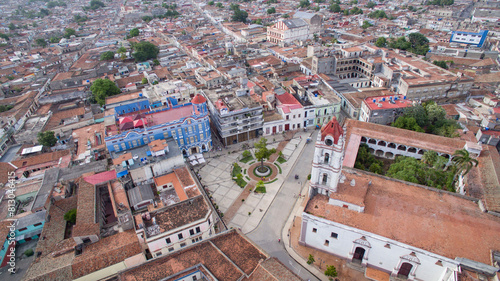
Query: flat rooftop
387,102
228,99
169,115
141,152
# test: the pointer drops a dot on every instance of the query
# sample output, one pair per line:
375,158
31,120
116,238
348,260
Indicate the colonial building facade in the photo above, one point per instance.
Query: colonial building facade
389,227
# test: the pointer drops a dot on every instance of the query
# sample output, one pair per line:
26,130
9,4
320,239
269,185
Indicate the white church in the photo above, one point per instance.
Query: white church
392,228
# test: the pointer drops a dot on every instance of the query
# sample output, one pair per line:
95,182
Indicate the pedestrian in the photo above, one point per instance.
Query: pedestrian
279,240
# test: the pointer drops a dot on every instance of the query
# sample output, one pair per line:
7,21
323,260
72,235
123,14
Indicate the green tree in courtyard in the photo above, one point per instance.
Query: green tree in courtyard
262,152
102,88
47,138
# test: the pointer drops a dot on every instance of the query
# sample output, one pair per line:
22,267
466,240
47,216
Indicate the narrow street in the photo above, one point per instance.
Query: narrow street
268,232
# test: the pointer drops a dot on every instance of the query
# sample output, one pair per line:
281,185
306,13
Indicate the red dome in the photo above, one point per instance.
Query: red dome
333,129
198,99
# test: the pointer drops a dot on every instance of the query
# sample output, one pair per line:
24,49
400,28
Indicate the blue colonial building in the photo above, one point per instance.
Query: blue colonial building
27,227
141,123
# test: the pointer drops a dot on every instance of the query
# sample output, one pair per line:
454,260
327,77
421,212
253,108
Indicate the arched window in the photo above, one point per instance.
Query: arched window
325,179
329,142
327,158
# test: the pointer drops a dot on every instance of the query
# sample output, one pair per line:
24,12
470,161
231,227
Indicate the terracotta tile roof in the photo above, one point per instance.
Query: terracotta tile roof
333,129
83,135
57,117
121,83
272,269
40,159
180,214
232,241
402,136
450,109
204,253
4,175
436,221
158,145
218,261
47,266
106,252
85,215
122,97
118,160
489,169
174,180
488,78
184,176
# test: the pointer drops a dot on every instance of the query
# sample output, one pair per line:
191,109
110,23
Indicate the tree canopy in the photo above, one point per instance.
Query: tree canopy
370,5
78,18
418,171
381,42
366,24
94,5
52,4
440,2
417,43
144,51
47,138
262,152
41,42
331,271
68,32
271,10
102,88
367,161
54,39
429,118
335,8
219,5
109,55
147,18
378,14
134,32
408,123
70,216
304,3
239,15
353,11
441,63
463,161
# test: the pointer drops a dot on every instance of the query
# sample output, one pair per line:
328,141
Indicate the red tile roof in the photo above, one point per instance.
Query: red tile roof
198,99
106,252
333,129
101,177
85,216
227,256
432,220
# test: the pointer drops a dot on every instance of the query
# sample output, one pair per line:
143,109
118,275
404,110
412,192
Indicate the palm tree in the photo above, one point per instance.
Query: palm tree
463,161
462,164
430,157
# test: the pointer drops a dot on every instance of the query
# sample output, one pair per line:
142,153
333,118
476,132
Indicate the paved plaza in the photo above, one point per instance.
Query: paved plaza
247,211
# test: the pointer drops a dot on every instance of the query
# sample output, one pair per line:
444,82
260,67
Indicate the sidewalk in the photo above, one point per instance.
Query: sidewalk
251,212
